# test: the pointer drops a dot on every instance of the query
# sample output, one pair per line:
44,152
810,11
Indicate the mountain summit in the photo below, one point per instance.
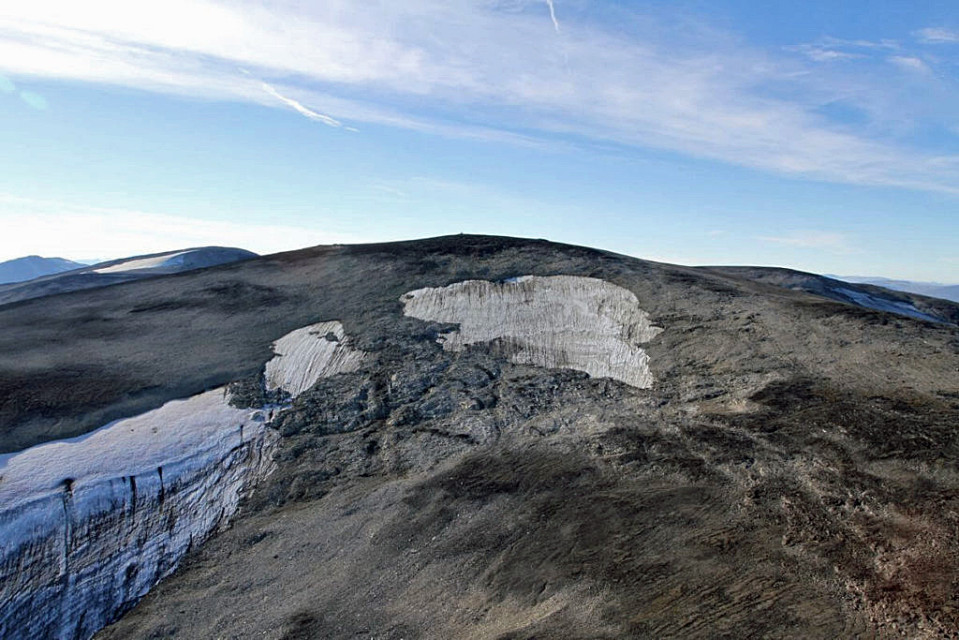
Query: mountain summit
474,437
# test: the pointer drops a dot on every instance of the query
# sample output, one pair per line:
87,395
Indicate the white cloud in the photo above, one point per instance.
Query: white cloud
938,35
911,63
819,240
50,228
692,92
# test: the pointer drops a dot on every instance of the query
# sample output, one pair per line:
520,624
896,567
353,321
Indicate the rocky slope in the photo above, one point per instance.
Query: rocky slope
783,467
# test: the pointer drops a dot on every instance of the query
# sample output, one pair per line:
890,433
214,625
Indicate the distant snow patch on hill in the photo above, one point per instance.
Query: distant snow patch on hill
567,322
933,289
865,296
165,260
174,261
869,301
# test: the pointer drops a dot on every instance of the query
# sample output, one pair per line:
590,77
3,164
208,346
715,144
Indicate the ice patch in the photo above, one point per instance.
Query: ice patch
91,524
203,427
308,354
567,322
88,525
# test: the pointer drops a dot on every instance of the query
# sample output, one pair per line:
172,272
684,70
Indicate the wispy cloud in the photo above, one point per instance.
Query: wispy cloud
822,53
938,35
296,105
818,240
911,63
433,66
861,43
830,49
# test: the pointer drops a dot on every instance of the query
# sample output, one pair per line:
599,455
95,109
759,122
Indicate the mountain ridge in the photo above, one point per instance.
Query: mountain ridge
34,266
119,270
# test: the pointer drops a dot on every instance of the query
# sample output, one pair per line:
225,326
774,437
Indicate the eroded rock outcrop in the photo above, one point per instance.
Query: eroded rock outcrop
566,322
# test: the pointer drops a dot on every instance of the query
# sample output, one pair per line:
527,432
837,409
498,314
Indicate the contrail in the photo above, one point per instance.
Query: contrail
309,113
296,105
552,14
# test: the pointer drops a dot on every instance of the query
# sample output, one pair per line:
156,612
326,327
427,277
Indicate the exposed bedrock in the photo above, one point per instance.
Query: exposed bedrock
89,525
564,322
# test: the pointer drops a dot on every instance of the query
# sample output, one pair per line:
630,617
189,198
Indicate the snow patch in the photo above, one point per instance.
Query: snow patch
569,322
879,304
156,262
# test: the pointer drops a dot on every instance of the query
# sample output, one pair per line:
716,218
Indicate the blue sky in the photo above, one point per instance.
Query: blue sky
820,135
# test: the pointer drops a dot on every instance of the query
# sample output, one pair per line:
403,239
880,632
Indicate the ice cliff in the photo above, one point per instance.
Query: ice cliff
567,322
89,525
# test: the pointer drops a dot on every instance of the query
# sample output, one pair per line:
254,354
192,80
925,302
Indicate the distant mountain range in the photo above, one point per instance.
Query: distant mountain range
867,296
79,276
30,267
933,289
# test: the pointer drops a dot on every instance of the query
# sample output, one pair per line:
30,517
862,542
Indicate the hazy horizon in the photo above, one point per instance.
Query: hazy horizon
849,277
